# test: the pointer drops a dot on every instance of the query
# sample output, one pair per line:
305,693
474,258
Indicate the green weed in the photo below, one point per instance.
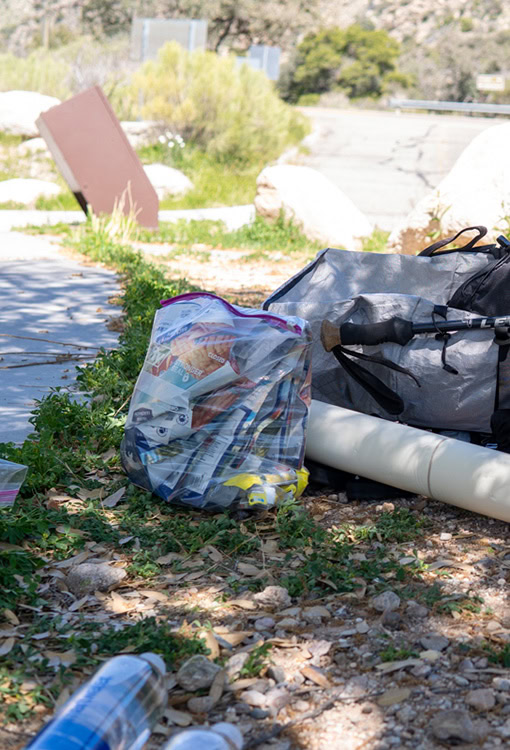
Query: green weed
257,660
376,242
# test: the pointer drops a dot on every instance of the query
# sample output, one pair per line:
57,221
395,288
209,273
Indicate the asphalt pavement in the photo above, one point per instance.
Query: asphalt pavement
385,162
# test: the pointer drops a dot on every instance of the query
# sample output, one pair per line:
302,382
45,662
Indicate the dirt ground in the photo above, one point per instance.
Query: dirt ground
421,668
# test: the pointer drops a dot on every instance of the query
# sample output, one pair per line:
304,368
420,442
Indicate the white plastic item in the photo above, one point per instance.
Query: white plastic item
439,467
220,736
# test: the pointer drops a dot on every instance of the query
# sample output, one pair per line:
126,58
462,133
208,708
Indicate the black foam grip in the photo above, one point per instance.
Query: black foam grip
396,330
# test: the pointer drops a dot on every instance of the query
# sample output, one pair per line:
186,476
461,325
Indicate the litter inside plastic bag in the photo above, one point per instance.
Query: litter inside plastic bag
12,477
219,411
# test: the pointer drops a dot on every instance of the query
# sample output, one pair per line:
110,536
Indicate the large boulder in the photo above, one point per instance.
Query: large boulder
26,191
476,191
20,109
34,147
141,133
319,207
167,180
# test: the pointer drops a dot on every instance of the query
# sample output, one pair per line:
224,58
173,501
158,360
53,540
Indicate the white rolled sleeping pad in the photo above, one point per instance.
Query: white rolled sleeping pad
421,462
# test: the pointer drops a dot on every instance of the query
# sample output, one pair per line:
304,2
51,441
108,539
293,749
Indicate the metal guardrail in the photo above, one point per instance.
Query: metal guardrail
492,109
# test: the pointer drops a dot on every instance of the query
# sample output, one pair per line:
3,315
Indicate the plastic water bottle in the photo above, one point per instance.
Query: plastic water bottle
115,710
218,737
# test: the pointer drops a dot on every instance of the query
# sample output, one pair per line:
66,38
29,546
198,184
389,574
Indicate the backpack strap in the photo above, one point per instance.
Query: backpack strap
482,231
380,392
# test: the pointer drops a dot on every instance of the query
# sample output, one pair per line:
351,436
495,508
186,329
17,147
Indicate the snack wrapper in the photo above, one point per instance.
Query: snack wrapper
12,477
219,412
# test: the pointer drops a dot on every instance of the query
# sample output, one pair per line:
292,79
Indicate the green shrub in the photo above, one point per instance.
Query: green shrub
234,113
308,100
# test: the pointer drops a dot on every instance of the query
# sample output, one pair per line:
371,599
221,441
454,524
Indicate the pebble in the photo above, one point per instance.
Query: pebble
466,665
276,673
201,705
413,609
254,698
276,699
197,673
505,729
453,726
315,615
236,663
461,681
362,627
259,713
501,683
482,663
405,714
273,596
291,611
89,577
434,642
391,619
388,600
430,655
288,622
482,699
265,623
445,536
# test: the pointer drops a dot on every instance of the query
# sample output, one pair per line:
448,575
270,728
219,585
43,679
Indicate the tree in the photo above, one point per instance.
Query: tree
356,60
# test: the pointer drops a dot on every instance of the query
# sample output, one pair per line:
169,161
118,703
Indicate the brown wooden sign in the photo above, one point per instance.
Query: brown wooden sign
95,157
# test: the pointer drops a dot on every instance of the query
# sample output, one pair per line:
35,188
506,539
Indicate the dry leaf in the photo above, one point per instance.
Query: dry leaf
312,674
214,554
6,547
118,604
249,570
394,666
234,639
78,604
170,558
7,646
112,500
110,453
395,695
180,718
160,728
217,687
75,560
157,595
211,643
125,540
41,636
243,603
441,563
194,576
9,615
96,494
63,529
56,658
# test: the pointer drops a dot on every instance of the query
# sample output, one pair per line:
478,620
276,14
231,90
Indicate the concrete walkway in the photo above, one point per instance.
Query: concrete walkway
53,315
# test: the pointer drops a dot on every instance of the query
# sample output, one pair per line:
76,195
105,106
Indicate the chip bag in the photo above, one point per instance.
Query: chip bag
219,412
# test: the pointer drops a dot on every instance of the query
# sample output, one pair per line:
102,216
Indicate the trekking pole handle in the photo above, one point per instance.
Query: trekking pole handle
395,330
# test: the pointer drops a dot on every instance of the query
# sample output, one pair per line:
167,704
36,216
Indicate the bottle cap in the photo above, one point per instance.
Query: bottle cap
231,733
155,660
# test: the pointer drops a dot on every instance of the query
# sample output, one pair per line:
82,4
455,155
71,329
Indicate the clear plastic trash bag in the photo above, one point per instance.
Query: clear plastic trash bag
12,477
219,412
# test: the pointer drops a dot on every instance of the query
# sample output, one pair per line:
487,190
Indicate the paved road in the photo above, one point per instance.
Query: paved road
385,161
52,316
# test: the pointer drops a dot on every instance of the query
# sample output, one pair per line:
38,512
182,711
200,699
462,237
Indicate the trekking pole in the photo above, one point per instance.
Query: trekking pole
400,331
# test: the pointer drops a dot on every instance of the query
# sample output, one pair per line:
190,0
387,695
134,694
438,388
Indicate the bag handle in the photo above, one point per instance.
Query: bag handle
429,251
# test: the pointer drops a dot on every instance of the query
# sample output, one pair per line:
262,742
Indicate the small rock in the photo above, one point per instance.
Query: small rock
434,642
315,615
453,726
288,622
197,673
501,683
291,612
388,600
276,699
254,698
265,623
391,619
461,681
466,665
414,609
430,655
362,627
504,731
167,180
89,577
201,705
482,663
276,673
236,663
405,714
259,713
445,536
421,670
482,699
273,596
27,191
319,648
